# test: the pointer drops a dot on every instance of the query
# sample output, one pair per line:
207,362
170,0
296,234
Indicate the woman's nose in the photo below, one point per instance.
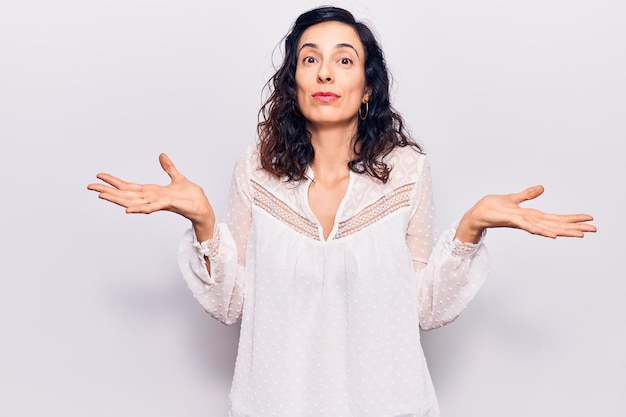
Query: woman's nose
324,75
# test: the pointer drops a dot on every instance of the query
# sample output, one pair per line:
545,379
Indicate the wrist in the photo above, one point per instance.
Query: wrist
468,230
203,222
204,230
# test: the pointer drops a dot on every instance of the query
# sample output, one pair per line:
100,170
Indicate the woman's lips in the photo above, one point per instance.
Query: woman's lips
325,97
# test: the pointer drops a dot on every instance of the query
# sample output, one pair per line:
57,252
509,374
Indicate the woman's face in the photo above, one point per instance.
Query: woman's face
330,74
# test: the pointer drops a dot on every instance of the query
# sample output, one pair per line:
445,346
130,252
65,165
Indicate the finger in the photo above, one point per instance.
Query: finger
103,189
120,195
585,228
168,167
99,187
125,199
567,218
575,227
112,198
118,182
569,230
553,229
528,194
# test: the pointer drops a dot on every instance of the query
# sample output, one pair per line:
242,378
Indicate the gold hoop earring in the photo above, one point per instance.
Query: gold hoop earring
367,110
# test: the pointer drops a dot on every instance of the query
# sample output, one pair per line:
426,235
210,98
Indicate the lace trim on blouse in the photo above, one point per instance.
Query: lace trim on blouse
465,249
387,204
281,211
210,247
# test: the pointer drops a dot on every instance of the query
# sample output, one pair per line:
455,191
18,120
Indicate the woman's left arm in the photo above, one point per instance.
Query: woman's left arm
451,269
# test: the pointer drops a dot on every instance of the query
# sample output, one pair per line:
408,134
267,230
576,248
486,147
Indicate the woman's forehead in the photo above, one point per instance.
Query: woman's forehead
331,34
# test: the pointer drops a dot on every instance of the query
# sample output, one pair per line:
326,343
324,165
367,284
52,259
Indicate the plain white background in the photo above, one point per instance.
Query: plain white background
94,318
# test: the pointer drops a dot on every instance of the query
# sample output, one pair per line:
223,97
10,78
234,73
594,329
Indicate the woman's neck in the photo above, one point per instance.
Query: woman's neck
333,150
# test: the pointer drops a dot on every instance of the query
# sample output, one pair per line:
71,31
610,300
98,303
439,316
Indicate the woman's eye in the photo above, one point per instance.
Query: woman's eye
345,61
309,60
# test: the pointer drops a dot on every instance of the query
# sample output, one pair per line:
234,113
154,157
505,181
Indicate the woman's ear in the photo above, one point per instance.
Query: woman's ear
367,94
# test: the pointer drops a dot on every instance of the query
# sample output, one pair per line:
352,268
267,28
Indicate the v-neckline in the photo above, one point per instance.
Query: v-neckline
331,233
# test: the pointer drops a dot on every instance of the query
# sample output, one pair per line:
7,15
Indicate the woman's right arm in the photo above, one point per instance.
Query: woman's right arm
212,269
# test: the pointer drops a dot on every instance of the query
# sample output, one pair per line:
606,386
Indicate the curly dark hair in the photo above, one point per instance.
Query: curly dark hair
284,141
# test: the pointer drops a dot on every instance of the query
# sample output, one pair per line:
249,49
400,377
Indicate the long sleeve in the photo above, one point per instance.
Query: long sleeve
222,292
449,273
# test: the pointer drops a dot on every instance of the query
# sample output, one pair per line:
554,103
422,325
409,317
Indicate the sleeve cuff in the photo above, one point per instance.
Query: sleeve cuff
208,248
464,250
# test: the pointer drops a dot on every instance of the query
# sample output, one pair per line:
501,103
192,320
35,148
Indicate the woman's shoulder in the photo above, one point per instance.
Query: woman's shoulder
248,159
249,167
406,163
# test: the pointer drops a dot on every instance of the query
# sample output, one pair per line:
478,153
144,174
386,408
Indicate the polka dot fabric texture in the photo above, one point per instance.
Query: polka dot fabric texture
331,327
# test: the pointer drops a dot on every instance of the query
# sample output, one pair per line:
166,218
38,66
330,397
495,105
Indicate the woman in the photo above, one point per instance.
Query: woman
327,253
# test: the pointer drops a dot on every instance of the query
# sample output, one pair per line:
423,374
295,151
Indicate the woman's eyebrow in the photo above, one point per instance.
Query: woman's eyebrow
338,46
347,45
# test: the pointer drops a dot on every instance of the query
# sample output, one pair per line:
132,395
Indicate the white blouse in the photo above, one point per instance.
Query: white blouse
331,327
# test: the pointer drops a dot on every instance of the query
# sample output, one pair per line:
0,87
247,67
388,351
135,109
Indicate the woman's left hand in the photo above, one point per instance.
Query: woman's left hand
504,211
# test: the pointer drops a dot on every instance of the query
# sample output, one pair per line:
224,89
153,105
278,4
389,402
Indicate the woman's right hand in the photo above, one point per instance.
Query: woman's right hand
180,196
